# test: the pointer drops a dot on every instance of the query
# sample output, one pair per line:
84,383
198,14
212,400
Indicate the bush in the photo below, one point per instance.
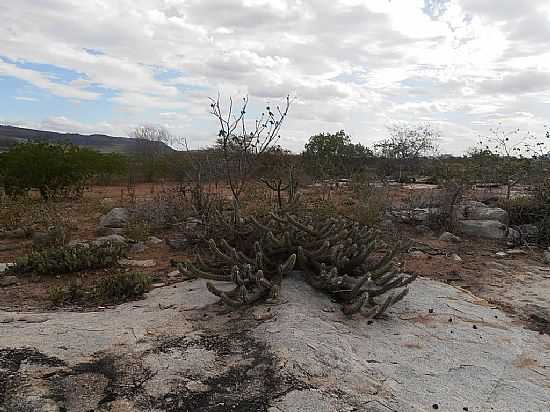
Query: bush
122,287
70,259
53,169
56,294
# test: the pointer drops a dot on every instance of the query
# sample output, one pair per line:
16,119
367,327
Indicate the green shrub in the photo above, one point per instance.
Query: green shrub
122,287
56,294
70,259
54,169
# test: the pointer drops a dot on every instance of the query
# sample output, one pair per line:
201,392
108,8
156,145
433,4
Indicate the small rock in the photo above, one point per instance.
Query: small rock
174,274
8,281
5,266
456,258
263,315
197,387
417,254
516,252
152,241
138,263
158,285
111,238
449,237
547,257
501,254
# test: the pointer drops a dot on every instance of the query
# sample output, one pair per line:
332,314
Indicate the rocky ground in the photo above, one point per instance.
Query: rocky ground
441,348
472,335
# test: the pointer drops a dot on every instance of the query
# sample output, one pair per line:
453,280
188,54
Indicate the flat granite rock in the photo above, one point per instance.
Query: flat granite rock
177,350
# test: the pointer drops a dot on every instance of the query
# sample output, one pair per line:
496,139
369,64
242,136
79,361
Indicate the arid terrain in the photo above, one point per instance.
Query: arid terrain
177,350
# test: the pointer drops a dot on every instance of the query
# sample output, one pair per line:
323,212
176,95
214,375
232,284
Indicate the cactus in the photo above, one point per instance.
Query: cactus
335,256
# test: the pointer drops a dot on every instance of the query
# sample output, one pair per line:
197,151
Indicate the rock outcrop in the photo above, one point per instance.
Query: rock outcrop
175,350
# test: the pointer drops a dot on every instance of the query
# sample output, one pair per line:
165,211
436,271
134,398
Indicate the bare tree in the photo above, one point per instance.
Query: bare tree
409,142
152,142
240,144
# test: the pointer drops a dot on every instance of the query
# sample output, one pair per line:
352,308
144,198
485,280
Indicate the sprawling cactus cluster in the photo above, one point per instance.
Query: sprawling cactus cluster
61,260
335,255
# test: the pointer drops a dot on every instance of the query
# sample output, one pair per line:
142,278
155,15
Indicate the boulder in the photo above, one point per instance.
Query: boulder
449,237
546,256
487,213
188,354
486,229
117,217
419,216
153,241
109,231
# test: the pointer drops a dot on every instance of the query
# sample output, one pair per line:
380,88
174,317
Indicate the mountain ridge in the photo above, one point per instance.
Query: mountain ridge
11,135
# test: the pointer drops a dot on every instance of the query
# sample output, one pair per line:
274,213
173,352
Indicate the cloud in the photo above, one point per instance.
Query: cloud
347,63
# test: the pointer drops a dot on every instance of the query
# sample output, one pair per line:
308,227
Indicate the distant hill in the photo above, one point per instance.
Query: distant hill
10,135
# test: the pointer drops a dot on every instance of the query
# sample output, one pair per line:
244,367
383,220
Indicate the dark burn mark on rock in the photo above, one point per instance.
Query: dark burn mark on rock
248,386
10,363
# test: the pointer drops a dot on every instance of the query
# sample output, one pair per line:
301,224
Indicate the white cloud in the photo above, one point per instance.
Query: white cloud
349,63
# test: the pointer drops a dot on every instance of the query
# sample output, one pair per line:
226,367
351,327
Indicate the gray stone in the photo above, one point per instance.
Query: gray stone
456,258
109,231
417,216
487,229
153,241
516,252
303,359
449,237
5,266
486,213
546,256
117,218
501,254
8,281
174,274
149,263
473,204
111,238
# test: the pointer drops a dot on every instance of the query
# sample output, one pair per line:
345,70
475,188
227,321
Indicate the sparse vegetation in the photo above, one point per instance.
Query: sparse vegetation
122,287
70,259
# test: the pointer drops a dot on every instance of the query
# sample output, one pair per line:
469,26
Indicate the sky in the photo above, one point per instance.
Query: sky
107,66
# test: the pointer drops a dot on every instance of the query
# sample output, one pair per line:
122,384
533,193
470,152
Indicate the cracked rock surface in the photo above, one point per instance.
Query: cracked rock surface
179,351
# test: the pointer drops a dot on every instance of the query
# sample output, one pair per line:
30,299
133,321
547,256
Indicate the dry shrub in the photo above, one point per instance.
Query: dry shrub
123,287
